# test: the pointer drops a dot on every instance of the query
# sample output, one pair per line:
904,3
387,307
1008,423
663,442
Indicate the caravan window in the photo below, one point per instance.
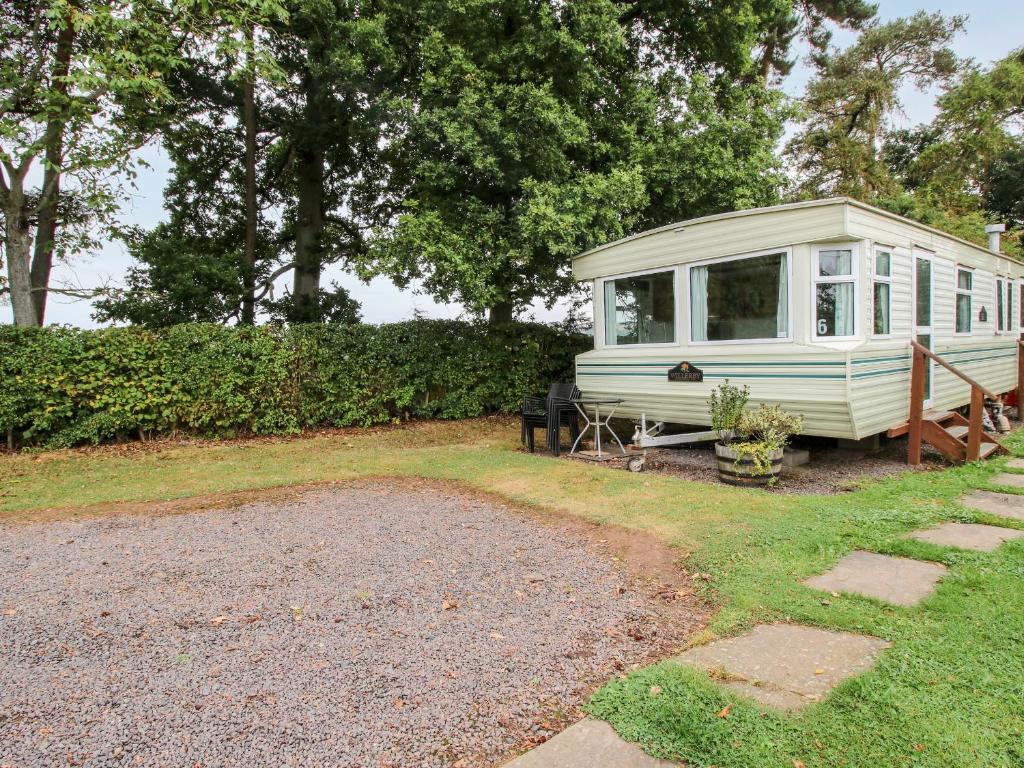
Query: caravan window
964,284
745,298
882,292
1000,306
835,293
640,309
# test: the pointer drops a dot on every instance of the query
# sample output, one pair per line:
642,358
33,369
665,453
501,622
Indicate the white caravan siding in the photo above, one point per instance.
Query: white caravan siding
851,388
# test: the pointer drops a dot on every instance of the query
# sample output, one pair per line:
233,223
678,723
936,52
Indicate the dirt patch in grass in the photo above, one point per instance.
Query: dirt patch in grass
419,433
830,471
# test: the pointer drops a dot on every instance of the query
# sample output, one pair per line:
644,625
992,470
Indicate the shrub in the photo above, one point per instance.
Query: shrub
64,386
726,405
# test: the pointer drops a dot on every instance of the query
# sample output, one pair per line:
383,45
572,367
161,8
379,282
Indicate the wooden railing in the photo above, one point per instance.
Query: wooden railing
978,394
1020,378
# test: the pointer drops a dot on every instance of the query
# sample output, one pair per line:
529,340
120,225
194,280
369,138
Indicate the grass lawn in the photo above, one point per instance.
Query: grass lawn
950,691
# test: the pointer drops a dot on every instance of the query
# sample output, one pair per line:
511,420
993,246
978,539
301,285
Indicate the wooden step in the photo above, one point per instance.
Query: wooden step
987,449
959,431
939,417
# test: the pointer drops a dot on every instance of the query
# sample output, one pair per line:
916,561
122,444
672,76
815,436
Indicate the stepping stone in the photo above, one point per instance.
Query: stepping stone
1015,463
1009,478
1002,504
897,580
786,665
983,538
587,744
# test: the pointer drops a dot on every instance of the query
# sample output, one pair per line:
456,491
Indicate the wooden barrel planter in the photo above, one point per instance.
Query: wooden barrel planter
734,470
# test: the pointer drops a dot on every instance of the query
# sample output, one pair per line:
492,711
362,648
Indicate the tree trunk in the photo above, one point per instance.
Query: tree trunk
309,214
501,312
46,228
18,244
251,213
309,230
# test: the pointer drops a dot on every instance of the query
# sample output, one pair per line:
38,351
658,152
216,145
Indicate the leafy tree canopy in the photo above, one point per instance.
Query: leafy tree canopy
541,129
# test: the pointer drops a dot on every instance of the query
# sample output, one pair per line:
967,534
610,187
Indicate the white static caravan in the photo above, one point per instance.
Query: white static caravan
812,305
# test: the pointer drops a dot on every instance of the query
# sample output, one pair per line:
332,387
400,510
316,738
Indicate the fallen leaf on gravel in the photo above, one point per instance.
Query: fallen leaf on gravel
218,620
819,671
297,612
253,619
497,636
10,612
655,690
725,710
449,605
460,763
398,704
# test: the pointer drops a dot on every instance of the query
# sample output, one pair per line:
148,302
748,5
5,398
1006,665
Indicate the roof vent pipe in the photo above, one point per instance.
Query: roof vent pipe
993,230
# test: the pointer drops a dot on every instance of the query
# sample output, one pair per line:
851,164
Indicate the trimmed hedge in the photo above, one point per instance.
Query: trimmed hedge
61,387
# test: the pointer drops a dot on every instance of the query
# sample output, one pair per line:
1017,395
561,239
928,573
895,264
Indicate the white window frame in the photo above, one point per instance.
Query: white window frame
675,308
999,298
957,292
854,277
1019,287
1010,308
787,252
875,278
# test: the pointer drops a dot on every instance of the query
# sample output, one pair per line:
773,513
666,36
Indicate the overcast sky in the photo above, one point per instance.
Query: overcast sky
994,29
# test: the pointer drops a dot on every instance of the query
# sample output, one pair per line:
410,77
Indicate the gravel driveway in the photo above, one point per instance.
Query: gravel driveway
357,626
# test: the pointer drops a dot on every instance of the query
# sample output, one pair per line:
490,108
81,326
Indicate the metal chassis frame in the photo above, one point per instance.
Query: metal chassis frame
650,437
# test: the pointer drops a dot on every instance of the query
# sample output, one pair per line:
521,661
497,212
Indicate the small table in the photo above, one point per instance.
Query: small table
597,404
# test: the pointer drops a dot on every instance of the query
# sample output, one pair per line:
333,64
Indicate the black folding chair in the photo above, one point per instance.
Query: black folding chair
558,409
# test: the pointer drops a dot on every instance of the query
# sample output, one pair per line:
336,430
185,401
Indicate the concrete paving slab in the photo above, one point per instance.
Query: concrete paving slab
1015,463
786,665
587,744
1002,504
897,580
982,538
1012,479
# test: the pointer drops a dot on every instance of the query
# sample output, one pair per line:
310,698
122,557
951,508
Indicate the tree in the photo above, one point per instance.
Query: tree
976,148
346,63
851,100
541,129
809,19
205,262
316,129
77,81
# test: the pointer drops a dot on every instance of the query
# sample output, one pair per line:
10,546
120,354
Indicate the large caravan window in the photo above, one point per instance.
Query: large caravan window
744,298
834,293
964,284
640,309
882,291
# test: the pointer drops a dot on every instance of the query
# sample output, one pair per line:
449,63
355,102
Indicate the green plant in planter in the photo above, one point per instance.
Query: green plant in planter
726,405
765,431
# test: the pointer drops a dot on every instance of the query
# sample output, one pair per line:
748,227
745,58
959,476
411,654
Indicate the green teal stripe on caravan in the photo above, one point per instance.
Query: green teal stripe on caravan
711,364
656,375
885,372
